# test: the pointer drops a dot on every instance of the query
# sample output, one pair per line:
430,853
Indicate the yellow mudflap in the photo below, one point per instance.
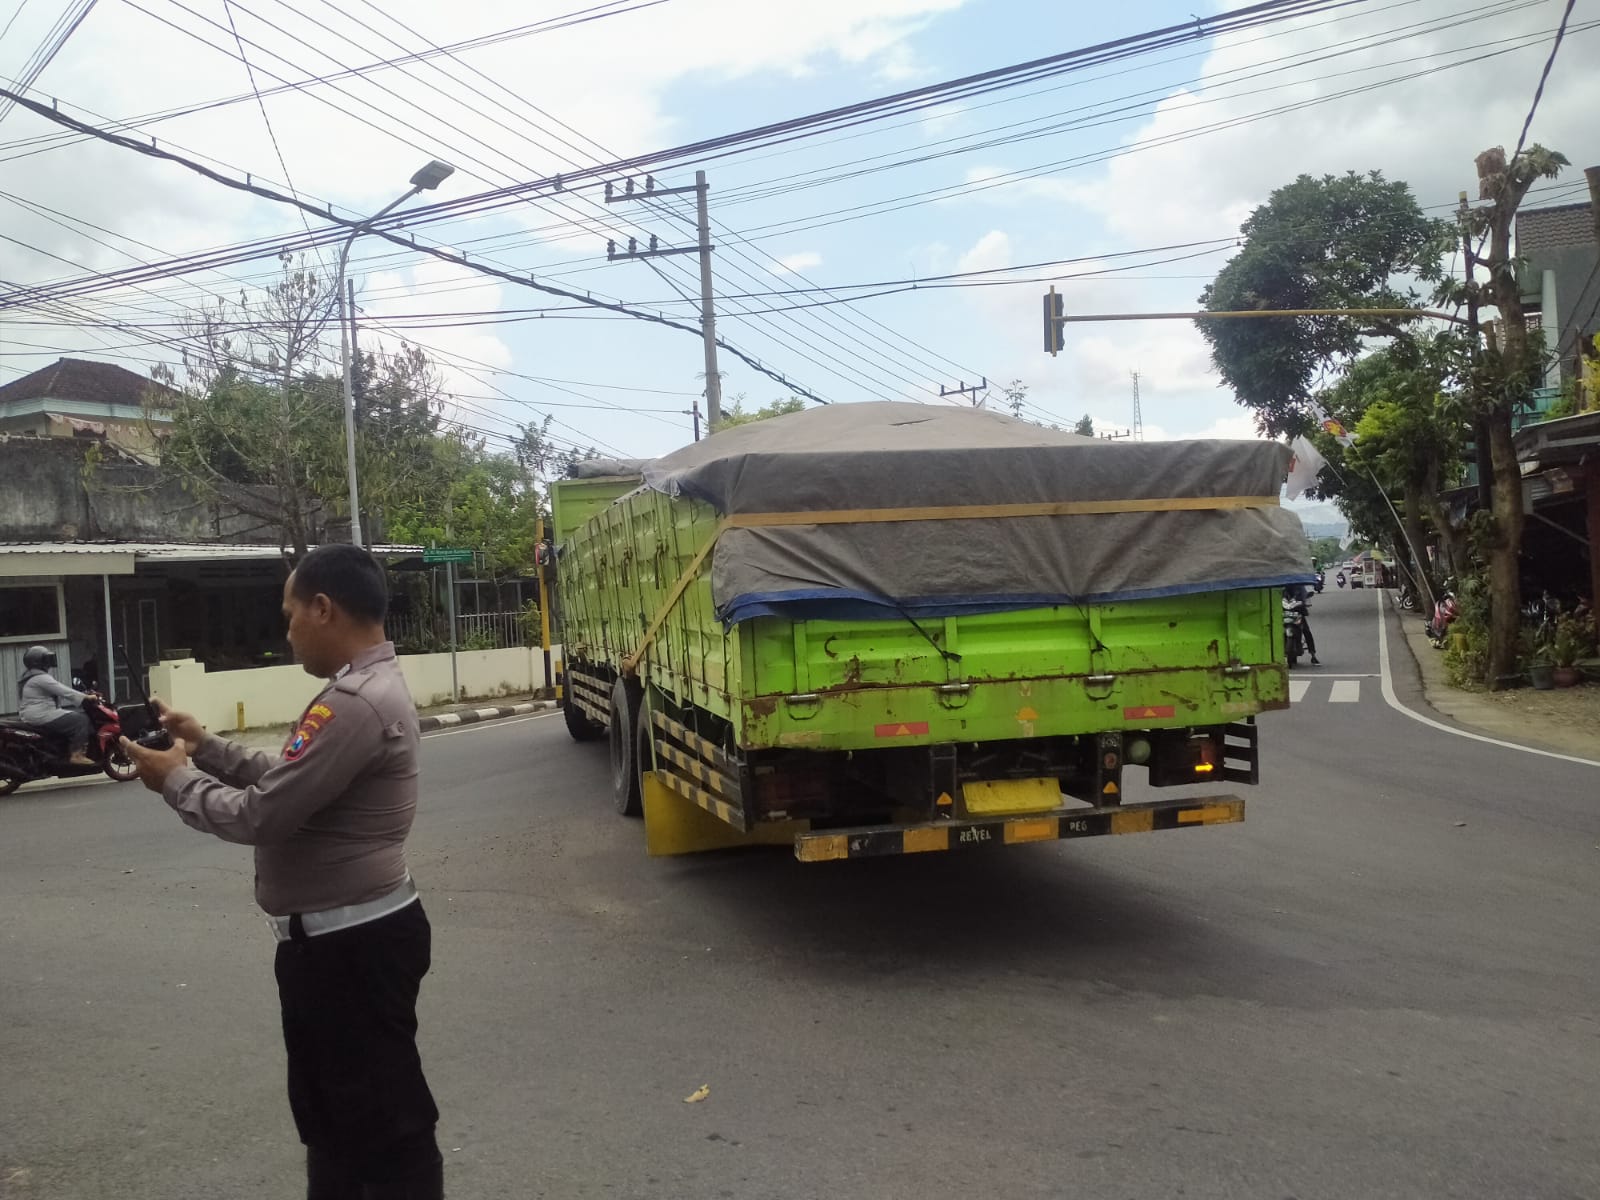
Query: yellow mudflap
1002,796
674,825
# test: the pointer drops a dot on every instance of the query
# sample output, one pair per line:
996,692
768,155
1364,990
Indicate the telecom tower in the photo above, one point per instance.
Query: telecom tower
1138,416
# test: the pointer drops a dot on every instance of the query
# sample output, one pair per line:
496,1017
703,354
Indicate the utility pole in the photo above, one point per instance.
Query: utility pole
1592,174
1138,414
694,412
355,355
1480,426
961,389
708,316
541,565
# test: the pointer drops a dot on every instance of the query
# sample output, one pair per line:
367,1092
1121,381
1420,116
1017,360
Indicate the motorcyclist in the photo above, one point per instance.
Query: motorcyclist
1301,593
48,704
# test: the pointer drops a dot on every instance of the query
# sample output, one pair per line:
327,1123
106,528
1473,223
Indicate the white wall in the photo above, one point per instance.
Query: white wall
278,695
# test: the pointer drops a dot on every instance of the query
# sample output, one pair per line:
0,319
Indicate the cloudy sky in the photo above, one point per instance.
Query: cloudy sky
1152,161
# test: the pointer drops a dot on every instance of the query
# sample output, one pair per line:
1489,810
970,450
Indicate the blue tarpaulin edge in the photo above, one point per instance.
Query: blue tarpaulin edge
840,604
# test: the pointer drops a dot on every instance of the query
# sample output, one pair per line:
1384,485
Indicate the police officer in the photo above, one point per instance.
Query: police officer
328,818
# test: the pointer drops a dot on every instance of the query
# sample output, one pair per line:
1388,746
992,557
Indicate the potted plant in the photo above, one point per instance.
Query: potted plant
1573,640
1536,653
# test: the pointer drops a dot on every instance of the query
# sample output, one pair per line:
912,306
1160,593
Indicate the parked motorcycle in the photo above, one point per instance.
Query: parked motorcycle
1444,613
1294,628
28,754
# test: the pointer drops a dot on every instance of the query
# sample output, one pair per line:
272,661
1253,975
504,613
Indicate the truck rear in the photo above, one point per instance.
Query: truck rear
816,633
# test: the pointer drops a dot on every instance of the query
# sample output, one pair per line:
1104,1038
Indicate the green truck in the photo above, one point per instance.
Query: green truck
892,628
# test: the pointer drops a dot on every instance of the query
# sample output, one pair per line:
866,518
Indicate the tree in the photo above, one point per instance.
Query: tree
1404,404
1345,242
1084,426
1016,394
738,416
258,423
253,411
1502,379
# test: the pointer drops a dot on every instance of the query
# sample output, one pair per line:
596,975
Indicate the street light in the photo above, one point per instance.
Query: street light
426,179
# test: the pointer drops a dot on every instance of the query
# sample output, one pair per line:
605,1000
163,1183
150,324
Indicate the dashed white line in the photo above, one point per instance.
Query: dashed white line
1298,689
1345,691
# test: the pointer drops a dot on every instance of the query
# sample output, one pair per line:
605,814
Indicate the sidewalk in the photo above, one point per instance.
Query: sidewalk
1566,720
434,716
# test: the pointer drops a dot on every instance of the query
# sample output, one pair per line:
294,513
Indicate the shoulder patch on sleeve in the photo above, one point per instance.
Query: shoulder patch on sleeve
317,718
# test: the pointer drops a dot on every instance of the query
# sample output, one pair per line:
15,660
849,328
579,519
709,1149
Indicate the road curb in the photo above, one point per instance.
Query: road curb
472,716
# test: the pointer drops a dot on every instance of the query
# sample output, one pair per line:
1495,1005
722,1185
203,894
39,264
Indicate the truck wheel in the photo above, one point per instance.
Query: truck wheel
626,698
579,725
644,751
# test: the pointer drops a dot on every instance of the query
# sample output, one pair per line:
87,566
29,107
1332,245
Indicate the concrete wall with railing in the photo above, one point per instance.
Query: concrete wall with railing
225,700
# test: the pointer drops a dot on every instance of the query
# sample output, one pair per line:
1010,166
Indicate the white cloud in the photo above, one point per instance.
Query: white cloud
992,250
1425,130
806,260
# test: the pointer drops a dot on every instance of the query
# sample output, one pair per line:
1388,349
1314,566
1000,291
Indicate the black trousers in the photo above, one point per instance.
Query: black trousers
75,727
356,1088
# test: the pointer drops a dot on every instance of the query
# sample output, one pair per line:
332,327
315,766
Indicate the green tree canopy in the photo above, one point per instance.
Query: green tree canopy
738,415
1342,241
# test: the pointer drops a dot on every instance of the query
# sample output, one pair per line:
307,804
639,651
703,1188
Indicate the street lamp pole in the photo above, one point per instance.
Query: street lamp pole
428,178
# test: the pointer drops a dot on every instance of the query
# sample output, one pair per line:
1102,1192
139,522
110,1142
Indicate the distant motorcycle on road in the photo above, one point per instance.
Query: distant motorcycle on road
1294,628
1339,578
28,753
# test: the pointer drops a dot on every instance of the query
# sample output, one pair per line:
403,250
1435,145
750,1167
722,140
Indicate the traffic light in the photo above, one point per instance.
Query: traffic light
1054,310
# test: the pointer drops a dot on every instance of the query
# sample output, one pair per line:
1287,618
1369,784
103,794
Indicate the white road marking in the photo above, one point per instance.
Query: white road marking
1393,701
481,725
1345,691
1298,689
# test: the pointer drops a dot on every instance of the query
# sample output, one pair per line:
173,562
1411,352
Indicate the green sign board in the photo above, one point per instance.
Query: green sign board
446,554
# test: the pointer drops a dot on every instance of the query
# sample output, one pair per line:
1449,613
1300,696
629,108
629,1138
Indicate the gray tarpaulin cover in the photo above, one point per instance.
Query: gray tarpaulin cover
897,455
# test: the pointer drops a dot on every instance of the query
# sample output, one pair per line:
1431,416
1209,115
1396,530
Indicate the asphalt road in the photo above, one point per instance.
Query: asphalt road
1381,985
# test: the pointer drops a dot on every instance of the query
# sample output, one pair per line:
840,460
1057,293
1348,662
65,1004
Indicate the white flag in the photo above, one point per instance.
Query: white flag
1303,467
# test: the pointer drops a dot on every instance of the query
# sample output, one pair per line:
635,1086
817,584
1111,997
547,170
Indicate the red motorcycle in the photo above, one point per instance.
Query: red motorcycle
1444,614
28,753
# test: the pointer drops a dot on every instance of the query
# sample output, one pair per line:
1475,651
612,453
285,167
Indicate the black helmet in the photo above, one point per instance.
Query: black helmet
38,658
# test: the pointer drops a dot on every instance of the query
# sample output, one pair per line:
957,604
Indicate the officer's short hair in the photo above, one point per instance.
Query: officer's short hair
348,576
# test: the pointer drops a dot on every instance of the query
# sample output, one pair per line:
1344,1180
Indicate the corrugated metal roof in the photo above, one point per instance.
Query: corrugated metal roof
63,548
174,551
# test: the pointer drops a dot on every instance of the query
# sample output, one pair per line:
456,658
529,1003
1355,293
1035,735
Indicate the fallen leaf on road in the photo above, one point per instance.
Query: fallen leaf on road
699,1094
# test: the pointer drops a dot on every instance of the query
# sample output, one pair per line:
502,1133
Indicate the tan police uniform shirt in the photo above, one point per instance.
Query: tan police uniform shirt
329,815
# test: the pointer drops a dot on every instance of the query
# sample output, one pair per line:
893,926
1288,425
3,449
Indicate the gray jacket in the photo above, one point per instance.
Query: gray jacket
44,696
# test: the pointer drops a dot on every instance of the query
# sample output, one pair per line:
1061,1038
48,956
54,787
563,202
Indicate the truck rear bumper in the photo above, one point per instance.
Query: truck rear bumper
877,841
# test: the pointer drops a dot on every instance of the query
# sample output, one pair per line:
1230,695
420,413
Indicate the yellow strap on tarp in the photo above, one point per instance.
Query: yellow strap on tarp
631,664
953,512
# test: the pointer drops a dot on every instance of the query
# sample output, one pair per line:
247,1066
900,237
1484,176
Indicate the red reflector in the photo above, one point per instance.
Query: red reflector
1153,712
905,729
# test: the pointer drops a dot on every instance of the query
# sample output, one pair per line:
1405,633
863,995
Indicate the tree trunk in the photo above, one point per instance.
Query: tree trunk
1505,585
1416,540
1451,538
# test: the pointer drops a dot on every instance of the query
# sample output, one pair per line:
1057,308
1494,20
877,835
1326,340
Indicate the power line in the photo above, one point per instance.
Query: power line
1544,75
432,251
